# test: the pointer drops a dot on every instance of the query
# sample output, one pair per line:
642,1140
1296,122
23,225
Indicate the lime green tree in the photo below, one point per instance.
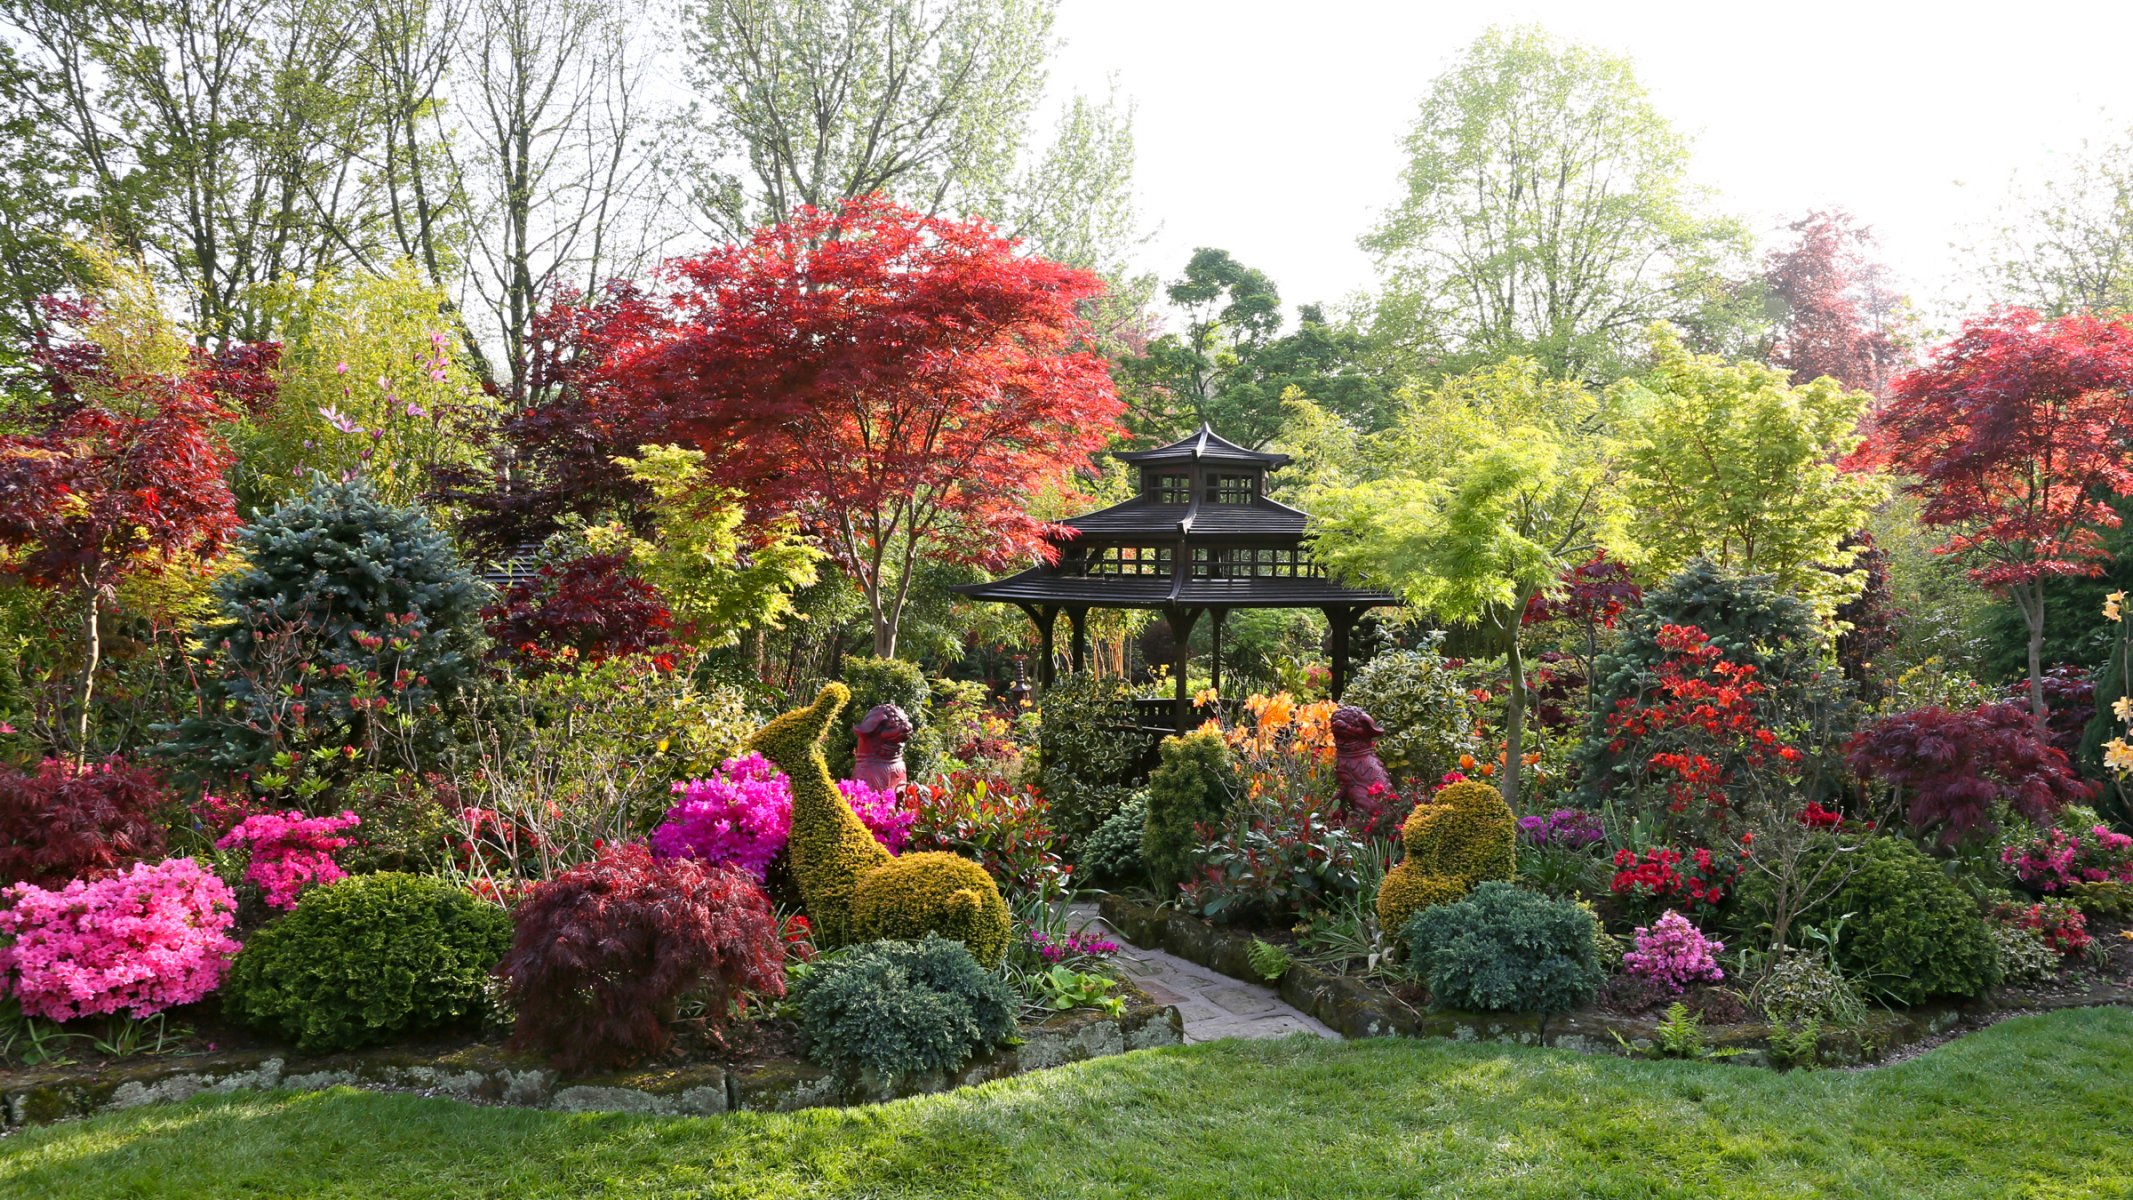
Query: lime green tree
1731,462
1476,501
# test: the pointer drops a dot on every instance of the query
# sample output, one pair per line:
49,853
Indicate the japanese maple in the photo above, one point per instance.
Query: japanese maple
1949,768
2015,435
589,607
1836,308
902,383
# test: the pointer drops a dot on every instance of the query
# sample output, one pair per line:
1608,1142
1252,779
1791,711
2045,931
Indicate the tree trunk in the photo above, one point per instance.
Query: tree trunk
1514,725
88,683
2032,608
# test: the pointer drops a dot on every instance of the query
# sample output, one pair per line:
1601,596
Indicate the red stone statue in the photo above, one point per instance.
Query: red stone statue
1356,768
878,761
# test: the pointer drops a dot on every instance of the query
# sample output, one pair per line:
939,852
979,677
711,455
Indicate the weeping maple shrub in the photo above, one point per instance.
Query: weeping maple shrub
64,822
589,607
604,953
1949,767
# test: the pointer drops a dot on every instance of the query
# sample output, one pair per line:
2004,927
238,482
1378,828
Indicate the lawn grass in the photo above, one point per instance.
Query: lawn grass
2036,1107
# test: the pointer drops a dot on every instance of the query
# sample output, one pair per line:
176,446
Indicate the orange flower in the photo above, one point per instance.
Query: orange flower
1466,762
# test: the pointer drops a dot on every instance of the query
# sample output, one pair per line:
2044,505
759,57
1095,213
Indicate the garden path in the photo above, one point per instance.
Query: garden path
1213,1005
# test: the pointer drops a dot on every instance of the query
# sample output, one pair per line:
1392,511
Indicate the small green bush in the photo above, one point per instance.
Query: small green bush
883,681
1085,757
366,960
1802,987
1113,853
2024,956
902,1008
1427,717
1913,934
1194,785
1505,949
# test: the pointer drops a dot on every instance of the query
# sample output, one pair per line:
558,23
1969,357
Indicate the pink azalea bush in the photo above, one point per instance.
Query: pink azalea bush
1673,953
742,816
150,938
2059,860
290,851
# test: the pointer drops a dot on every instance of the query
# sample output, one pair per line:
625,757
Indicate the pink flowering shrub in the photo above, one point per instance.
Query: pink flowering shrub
1673,953
290,851
738,818
2059,860
147,939
741,816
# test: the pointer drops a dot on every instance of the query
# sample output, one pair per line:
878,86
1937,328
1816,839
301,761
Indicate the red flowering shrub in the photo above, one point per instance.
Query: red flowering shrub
1698,730
605,951
1948,768
588,607
61,824
1007,830
1666,878
2061,925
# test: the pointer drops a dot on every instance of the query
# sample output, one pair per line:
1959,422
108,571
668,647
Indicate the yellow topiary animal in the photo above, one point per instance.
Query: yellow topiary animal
854,890
1460,837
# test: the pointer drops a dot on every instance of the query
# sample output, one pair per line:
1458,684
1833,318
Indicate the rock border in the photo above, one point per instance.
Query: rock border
484,1074
1357,1008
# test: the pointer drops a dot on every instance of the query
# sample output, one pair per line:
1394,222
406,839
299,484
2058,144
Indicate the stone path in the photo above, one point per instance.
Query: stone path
1213,1004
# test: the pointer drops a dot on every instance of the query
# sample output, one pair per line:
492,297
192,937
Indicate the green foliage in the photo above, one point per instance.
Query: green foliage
344,642
884,681
1269,961
1795,1045
2024,956
1729,462
1801,986
1541,191
1505,949
1913,934
1063,989
902,1008
1194,785
2108,900
1426,715
1113,853
1460,837
366,960
1085,753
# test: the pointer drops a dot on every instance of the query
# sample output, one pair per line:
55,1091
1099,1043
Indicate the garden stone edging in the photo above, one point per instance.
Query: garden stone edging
485,1074
1356,1008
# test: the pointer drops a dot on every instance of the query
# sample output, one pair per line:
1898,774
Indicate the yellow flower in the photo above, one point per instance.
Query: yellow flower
2118,756
2122,708
663,743
2111,604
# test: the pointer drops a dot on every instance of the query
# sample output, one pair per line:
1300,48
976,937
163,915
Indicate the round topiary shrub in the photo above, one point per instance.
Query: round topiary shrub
1505,949
1427,716
1459,837
604,953
366,960
932,892
884,681
1913,933
1112,854
1194,785
902,1008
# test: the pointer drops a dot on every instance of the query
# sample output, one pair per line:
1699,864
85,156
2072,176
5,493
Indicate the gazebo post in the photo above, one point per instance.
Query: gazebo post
1181,623
1045,616
1342,620
1078,646
1214,666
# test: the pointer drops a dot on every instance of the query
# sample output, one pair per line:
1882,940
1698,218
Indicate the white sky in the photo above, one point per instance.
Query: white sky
1272,129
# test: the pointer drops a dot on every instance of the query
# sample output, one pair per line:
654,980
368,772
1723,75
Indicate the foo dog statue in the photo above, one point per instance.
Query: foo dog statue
879,760
1356,768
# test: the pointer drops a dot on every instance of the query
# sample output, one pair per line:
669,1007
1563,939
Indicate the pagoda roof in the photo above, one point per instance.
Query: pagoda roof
1204,446
1041,585
1142,516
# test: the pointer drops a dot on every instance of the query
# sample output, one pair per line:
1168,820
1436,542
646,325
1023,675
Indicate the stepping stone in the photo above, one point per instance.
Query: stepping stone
1246,1002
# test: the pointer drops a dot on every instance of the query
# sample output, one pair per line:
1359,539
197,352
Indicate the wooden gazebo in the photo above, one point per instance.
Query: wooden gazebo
1201,537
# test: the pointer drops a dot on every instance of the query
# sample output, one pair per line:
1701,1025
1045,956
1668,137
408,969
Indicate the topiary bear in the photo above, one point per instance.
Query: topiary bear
854,890
1460,837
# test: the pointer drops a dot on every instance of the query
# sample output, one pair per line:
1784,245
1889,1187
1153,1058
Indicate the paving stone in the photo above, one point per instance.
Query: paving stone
1245,1002
1212,1004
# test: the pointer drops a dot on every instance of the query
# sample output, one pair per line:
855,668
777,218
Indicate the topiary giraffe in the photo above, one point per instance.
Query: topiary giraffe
1459,837
856,891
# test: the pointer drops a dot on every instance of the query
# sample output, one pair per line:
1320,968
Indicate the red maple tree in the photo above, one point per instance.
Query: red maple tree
1837,307
901,383
125,476
2015,435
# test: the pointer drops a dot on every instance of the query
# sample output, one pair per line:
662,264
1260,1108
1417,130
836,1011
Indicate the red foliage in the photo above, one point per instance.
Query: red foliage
2069,704
605,951
1592,594
1699,726
901,383
108,488
1951,767
1837,305
62,823
588,607
2062,926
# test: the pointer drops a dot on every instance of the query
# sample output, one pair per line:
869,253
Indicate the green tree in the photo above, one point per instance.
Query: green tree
1730,462
1546,212
1487,489
2064,243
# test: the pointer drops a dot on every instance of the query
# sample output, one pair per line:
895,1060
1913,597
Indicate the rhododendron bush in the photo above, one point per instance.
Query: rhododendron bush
1673,953
2058,859
150,938
741,816
290,851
